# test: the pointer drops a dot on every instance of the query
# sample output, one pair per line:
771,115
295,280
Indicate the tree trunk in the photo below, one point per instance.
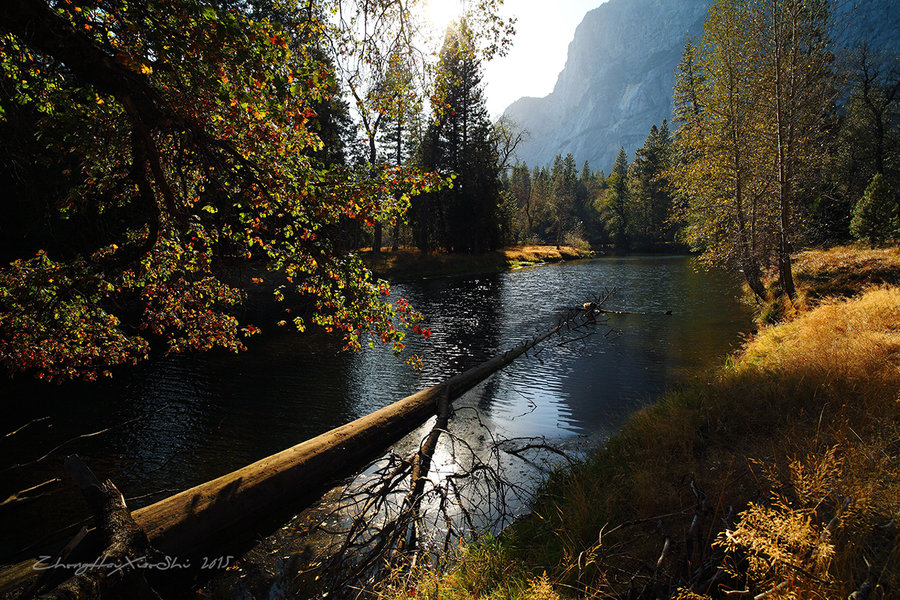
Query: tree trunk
377,235
782,122
373,157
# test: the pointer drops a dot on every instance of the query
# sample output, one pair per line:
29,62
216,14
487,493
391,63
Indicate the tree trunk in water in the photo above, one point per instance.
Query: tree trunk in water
754,280
785,271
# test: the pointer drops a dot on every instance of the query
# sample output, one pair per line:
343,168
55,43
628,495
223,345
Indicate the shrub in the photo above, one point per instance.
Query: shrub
875,214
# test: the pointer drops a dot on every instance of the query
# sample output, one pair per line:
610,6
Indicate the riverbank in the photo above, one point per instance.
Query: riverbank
409,263
842,271
776,476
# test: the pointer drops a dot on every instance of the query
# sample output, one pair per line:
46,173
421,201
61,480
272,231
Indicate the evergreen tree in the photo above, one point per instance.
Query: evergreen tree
868,141
586,191
460,141
615,204
875,215
541,203
563,180
401,126
520,188
651,203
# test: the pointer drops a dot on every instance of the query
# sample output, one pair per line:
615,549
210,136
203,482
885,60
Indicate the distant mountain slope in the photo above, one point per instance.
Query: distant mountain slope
620,72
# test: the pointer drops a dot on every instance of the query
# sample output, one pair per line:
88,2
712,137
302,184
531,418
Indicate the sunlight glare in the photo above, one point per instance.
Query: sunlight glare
440,13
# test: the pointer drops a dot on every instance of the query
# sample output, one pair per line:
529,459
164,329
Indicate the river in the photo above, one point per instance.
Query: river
192,418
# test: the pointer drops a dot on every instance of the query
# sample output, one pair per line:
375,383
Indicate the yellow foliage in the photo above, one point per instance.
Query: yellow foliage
540,588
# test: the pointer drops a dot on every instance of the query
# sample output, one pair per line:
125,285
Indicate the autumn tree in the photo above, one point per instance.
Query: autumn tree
750,100
720,170
797,91
147,147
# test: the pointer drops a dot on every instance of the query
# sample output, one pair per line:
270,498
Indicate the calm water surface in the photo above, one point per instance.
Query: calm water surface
201,416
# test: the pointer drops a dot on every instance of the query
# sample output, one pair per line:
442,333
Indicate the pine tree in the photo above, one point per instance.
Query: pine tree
563,179
401,124
460,142
520,188
651,203
542,204
875,216
868,140
615,205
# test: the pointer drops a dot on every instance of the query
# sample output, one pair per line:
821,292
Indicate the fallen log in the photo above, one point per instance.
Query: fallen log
215,516
186,523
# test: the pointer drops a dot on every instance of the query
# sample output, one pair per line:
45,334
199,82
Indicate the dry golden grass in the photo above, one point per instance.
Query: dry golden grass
805,420
839,338
536,254
795,446
841,271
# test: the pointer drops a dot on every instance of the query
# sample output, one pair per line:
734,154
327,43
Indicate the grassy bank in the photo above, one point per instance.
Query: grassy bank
776,477
408,263
842,271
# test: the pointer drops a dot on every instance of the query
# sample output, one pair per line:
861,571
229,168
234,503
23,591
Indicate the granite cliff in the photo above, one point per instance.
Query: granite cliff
620,72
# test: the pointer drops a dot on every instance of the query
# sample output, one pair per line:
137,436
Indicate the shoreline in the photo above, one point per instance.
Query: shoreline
408,264
778,472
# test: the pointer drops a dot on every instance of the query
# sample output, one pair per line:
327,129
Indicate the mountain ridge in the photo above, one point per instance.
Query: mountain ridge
620,71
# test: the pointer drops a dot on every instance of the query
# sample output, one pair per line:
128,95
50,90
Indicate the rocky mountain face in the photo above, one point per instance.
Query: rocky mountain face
620,72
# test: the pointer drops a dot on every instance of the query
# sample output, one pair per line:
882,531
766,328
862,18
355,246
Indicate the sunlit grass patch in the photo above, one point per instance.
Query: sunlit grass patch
841,271
839,338
411,263
485,570
778,475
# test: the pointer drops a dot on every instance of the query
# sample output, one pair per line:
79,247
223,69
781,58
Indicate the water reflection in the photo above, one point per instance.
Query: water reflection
202,416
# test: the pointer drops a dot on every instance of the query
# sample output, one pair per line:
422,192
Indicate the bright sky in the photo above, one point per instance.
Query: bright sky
544,29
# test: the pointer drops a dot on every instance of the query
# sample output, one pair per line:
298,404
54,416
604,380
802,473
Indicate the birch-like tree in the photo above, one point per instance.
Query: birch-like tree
749,96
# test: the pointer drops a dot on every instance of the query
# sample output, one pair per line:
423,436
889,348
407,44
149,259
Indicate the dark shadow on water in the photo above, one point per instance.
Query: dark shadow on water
206,415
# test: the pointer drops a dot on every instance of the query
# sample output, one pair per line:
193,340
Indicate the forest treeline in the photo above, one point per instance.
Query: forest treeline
781,140
631,209
148,150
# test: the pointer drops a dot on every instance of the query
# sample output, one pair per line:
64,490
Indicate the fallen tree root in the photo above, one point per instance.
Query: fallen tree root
118,569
